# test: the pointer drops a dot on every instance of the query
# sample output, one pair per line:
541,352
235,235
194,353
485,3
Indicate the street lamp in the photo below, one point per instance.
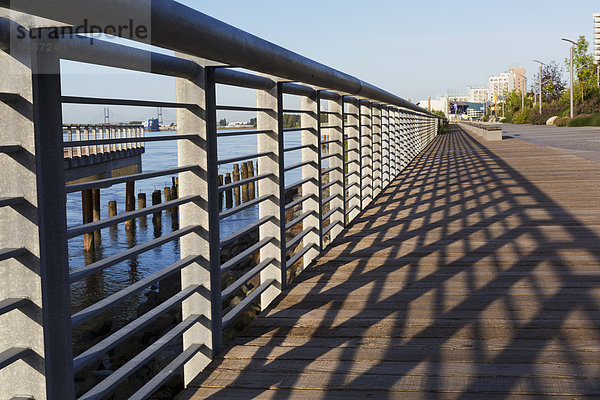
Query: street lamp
541,63
572,47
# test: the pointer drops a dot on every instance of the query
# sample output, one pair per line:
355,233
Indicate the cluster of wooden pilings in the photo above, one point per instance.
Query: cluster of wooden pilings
243,193
90,205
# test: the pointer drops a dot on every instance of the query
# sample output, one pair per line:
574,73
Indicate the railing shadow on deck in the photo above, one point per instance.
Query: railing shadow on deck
420,192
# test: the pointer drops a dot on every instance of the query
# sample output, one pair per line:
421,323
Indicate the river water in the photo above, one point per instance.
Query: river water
157,156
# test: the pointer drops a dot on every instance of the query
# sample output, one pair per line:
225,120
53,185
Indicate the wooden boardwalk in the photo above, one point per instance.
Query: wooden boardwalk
475,275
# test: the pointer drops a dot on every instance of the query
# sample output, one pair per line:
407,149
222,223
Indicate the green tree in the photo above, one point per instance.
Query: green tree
553,83
223,122
584,70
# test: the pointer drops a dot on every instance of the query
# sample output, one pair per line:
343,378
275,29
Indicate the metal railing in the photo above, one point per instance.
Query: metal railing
372,136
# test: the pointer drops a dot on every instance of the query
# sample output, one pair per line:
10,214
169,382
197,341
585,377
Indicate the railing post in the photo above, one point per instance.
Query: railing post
353,162
366,153
195,183
376,153
335,133
394,132
312,137
404,139
273,186
385,146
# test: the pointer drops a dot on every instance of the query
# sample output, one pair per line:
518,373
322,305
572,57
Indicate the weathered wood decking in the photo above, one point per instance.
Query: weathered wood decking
475,275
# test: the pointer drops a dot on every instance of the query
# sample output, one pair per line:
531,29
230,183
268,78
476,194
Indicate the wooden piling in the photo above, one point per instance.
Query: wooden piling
228,192
96,213
236,190
156,199
167,192
244,175
141,200
251,185
221,193
129,202
87,210
112,208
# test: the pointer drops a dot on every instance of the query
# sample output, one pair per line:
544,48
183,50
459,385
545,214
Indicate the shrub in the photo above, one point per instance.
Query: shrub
586,120
562,121
521,117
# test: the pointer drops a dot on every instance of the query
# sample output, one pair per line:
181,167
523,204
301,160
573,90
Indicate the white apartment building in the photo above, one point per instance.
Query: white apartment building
478,94
501,85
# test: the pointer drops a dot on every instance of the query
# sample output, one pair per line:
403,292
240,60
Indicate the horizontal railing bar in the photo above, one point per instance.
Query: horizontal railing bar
331,212
299,201
10,304
243,206
241,108
330,184
294,111
113,380
296,239
104,304
233,132
352,209
96,351
227,76
304,146
298,129
117,219
351,114
13,354
327,200
299,183
325,157
11,201
243,182
298,165
231,289
331,141
122,179
351,126
235,311
296,89
10,148
352,184
246,157
9,96
329,95
125,102
7,253
331,112
331,127
299,218
236,235
331,225
129,253
298,255
352,161
242,255
331,169
141,139
166,373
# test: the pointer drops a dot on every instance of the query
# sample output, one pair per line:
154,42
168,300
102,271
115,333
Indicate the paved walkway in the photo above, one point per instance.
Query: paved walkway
475,275
583,142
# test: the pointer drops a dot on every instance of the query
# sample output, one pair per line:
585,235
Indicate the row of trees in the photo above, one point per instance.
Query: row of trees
555,96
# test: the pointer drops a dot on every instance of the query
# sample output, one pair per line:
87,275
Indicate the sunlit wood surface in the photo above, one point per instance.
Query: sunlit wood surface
475,275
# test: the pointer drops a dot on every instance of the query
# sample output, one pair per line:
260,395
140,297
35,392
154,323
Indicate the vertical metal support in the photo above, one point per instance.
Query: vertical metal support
385,146
274,187
52,219
194,152
336,133
393,117
404,139
353,162
213,210
312,137
366,153
376,153
360,154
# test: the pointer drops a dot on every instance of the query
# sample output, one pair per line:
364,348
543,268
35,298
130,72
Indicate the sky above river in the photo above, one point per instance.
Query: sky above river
412,49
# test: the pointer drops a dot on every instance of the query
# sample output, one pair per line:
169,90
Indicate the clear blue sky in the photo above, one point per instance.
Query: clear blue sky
413,49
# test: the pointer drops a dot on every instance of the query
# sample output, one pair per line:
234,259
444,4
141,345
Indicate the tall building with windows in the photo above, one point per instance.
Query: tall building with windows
478,94
501,85
520,78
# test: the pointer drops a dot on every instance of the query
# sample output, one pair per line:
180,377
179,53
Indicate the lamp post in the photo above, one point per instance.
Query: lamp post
541,63
571,91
